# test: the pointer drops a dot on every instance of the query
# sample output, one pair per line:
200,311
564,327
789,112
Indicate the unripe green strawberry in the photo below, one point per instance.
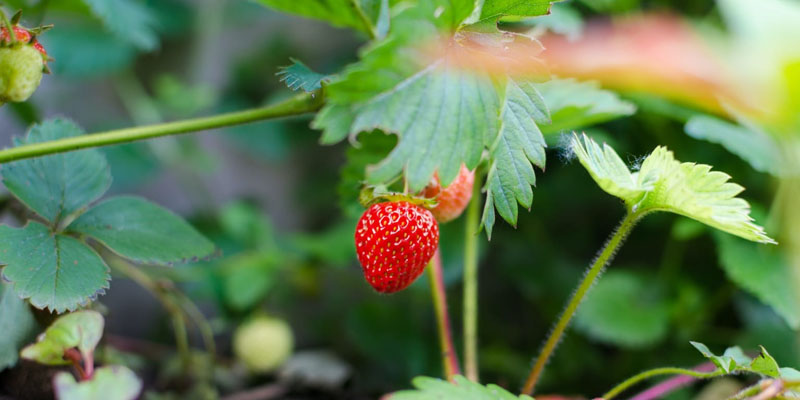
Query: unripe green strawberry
21,69
453,199
263,343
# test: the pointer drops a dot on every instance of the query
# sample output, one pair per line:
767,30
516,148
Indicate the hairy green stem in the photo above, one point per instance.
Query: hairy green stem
471,231
606,255
12,36
306,102
644,375
436,278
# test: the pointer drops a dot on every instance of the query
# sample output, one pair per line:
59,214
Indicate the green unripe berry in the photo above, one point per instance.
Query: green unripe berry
20,72
263,343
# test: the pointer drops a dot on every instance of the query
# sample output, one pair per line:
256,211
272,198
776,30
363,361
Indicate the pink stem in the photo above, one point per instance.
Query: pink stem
672,384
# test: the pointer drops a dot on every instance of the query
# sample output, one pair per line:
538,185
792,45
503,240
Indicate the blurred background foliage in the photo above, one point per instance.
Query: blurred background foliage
281,208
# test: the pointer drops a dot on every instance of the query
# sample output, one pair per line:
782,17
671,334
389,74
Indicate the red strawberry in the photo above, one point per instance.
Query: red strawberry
394,242
454,198
23,36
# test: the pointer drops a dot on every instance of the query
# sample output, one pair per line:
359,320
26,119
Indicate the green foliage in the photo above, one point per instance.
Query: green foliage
129,20
81,330
85,50
493,9
624,309
16,323
58,185
47,263
734,360
114,382
369,16
299,76
575,104
248,277
764,272
664,184
460,388
53,271
518,144
758,149
142,231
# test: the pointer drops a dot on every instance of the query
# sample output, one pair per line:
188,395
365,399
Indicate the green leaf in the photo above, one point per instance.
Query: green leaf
462,388
442,117
764,272
86,51
334,120
624,309
766,365
790,374
607,169
248,278
342,13
517,144
575,104
726,363
664,184
54,271
130,20
299,76
142,231
372,147
81,330
16,324
114,382
516,8
563,20
57,185
758,149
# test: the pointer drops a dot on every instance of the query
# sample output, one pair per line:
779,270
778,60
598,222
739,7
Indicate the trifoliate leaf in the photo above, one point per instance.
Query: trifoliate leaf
142,231
57,185
53,271
441,115
128,19
625,310
664,184
517,144
113,382
758,149
575,104
460,388
16,323
764,272
364,15
81,330
299,76
766,365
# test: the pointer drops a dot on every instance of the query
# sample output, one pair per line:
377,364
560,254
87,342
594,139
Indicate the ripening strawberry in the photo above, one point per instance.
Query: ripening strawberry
394,242
453,199
22,63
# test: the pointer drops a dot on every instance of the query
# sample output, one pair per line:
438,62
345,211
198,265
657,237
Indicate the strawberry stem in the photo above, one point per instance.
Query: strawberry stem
605,257
449,356
12,36
472,230
301,104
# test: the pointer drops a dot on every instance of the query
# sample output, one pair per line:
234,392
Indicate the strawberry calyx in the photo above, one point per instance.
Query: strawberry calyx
26,36
371,195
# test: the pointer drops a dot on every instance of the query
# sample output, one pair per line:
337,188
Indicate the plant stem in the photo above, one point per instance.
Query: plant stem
74,357
12,36
449,357
591,276
364,20
303,103
470,310
656,372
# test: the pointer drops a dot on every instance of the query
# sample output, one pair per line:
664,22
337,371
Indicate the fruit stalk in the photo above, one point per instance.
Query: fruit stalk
605,257
658,372
304,103
472,227
449,357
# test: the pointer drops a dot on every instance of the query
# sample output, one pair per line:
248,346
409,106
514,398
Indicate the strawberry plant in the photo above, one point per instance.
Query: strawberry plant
441,121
